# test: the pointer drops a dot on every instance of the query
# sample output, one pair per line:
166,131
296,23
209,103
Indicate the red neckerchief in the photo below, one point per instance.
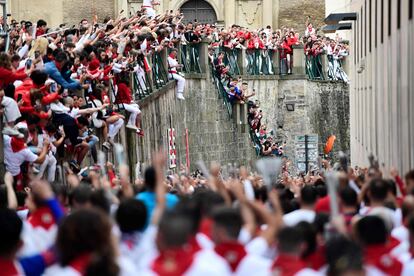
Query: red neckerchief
8,267
288,265
392,243
81,263
195,246
173,262
317,259
378,256
42,217
205,227
17,144
233,252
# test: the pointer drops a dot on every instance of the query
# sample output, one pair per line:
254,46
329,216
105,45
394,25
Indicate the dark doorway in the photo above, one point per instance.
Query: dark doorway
198,10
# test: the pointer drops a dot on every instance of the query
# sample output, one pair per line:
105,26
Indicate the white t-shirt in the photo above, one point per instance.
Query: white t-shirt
408,269
253,265
172,63
401,233
14,160
147,3
293,218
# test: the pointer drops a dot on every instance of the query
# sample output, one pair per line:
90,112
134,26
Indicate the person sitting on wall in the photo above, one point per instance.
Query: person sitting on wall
148,7
173,66
124,98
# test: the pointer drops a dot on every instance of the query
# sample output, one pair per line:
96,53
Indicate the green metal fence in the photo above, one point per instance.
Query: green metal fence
222,92
231,60
141,82
260,62
190,58
159,72
314,67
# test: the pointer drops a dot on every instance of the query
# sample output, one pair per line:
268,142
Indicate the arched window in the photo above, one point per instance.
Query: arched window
198,10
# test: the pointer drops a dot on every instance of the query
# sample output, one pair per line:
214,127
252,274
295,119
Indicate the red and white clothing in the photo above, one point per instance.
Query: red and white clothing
378,256
11,268
287,265
15,153
149,9
293,218
172,70
39,232
183,261
241,262
124,97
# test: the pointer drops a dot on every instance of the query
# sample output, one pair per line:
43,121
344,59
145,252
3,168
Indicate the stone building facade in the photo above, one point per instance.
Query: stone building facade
248,13
382,83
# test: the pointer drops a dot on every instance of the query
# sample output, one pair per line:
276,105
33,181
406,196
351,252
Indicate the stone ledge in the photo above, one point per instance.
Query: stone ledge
195,75
156,94
274,77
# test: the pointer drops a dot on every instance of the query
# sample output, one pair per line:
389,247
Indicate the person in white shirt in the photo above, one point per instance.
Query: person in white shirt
225,231
290,245
176,256
49,165
148,6
16,152
306,212
173,66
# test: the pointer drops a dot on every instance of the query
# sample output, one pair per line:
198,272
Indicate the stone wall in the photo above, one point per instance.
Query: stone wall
321,108
212,134
293,13
329,112
75,11
61,11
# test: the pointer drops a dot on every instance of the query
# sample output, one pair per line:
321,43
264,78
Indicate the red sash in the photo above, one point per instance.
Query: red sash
288,265
378,256
81,263
205,227
8,268
195,246
17,144
173,262
233,252
42,217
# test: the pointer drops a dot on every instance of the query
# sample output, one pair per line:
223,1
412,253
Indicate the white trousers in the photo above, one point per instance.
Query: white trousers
150,12
11,109
180,82
134,111
49,164
141,78
114,128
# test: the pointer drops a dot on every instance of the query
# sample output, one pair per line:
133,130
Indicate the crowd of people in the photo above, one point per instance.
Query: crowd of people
216,222
59,86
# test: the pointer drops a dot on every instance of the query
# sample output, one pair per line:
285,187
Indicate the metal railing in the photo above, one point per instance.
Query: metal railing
141,83
159,72
221,90
259,62
190,58
231,60
314,67
256,142
335,69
